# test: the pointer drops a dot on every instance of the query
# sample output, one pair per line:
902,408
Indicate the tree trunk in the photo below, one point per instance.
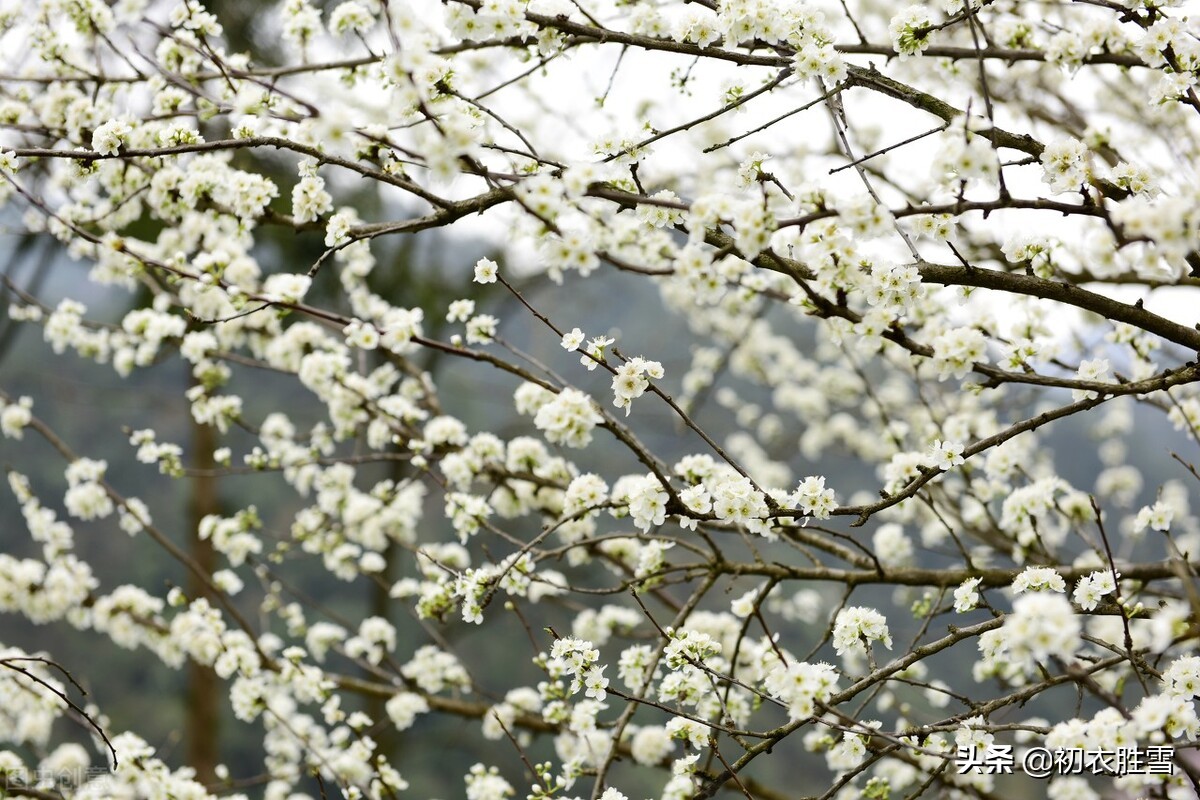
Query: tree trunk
203,712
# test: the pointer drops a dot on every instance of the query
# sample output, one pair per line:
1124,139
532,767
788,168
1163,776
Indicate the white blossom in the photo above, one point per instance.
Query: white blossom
485,271
856,627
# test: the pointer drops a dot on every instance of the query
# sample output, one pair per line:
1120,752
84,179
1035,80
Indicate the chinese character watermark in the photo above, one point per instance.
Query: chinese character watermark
46,778
994,760
1041,762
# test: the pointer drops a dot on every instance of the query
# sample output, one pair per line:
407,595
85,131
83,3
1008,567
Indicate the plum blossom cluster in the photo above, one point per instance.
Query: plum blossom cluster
801,686
14,417
632,379
577,659
856,627
568,418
